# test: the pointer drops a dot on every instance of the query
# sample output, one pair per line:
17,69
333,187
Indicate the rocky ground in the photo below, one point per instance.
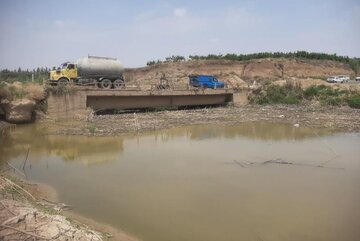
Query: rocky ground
314,115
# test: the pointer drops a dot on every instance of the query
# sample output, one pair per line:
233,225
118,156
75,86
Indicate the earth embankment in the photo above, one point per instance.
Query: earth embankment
238,73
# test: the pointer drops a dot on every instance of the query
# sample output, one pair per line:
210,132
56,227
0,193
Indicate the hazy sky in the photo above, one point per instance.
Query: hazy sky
47,33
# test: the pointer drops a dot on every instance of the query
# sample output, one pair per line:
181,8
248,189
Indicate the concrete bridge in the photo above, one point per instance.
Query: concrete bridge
76,103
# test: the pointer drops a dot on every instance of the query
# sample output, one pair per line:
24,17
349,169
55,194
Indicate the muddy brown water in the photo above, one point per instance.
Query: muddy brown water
203,183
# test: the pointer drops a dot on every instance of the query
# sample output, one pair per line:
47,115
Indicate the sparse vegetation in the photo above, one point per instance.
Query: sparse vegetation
59,89
92,128
292,93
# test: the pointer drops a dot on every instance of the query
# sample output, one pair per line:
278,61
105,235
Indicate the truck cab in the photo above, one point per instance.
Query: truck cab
65,73
205,81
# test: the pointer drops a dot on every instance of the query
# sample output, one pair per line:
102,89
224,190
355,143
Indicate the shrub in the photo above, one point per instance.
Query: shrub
92,128
12,92
354,101
60,89
292,100
290,93
323,92
274,94
313,91
331,100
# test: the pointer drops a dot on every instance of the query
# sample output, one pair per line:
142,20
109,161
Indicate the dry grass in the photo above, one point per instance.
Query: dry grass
19,90
293,84
34,91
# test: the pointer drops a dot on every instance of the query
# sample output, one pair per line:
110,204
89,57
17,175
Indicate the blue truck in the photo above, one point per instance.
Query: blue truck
205,81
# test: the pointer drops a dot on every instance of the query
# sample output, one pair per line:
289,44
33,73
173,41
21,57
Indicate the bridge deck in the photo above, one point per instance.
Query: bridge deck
98,99
125,99
94,92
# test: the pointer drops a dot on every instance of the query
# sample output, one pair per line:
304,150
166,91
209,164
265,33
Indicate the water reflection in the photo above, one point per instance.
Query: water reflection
92,150
250,130
83,149
177,185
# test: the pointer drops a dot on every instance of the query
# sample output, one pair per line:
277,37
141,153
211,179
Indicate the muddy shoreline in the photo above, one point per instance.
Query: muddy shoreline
28,206
343,119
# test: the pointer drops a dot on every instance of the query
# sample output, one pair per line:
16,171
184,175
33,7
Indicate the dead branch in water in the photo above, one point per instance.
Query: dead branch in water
62,205
282,162
15,169
24,162
279,161
238,163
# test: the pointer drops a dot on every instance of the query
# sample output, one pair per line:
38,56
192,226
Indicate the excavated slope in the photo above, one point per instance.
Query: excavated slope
237,73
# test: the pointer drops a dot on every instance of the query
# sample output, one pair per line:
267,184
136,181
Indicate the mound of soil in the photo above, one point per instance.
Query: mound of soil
237,73
18,101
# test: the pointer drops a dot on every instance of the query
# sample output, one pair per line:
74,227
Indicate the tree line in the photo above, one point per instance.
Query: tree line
354,63
37,75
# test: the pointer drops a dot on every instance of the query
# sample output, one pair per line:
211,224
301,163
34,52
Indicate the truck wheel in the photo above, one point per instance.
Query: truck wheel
106,84
63,81
119,83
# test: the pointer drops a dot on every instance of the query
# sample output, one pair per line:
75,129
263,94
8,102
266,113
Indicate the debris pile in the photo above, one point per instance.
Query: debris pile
339,118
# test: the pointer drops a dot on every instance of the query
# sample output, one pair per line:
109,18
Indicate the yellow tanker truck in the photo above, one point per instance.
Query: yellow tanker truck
104,72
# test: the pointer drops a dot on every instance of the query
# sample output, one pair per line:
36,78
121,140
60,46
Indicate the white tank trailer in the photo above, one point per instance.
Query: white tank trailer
97,67
106,71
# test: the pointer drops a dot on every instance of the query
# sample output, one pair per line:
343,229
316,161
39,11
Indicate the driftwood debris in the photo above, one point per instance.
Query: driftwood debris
18,187
56,204
278,161
7,209
16,169
25,232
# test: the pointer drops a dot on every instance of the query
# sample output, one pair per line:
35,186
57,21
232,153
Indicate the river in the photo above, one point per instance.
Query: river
251,181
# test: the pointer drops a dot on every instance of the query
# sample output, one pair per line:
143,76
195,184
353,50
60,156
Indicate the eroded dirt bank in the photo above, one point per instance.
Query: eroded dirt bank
337,118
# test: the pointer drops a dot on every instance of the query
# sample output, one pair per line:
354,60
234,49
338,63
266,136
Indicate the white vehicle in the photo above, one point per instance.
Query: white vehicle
345,78
334,79
357,79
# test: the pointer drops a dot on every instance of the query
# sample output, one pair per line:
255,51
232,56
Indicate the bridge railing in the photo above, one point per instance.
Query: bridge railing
149,87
